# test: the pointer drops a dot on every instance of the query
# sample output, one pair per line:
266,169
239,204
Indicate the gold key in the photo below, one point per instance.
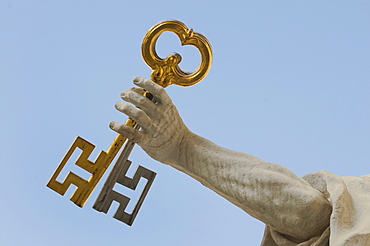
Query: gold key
97,168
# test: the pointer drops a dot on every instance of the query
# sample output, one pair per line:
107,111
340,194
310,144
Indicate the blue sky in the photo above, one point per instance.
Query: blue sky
289,84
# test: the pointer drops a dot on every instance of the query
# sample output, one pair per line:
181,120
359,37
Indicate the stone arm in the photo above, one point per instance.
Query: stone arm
267,191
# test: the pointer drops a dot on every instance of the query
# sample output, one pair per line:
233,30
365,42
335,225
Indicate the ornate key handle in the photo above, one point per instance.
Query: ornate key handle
166,71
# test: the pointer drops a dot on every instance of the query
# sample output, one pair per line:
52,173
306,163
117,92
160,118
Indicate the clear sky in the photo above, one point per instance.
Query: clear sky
289,84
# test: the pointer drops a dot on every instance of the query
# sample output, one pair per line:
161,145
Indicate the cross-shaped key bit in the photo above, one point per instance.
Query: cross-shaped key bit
96,168
118,175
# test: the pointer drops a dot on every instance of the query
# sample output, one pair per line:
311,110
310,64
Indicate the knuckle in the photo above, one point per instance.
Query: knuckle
122,128
137,114
137,90
136,137
129,93
160,90
141,100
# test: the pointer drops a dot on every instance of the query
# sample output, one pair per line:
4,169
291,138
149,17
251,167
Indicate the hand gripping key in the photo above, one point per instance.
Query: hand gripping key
164,72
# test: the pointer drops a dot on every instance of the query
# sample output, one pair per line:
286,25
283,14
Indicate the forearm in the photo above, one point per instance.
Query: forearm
267,191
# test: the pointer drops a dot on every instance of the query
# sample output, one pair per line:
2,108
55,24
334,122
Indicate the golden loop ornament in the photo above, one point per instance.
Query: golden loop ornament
167,71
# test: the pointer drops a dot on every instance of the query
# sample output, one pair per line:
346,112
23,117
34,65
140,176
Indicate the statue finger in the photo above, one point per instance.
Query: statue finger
129,132
149,107
137,90
159,93
135,113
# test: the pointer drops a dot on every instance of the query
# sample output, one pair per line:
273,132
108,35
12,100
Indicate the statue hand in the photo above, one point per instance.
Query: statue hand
162,130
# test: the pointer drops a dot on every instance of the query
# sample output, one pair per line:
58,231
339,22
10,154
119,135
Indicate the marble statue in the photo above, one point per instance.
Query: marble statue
317,209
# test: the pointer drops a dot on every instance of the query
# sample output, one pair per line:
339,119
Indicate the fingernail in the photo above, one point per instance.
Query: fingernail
123,95
112,125
137,79
116,105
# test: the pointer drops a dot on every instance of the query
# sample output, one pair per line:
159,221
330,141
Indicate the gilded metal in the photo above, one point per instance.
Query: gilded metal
97,168
166,71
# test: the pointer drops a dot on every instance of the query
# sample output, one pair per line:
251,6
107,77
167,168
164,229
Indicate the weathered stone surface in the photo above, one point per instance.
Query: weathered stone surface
318,209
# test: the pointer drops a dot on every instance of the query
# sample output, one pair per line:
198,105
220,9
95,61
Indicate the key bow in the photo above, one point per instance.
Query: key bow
167,71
